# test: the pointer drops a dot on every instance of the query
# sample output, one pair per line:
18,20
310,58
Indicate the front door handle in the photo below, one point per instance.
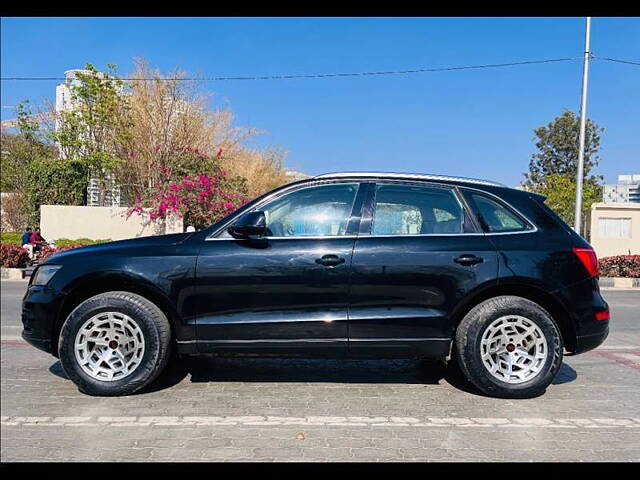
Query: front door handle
329,260
468,260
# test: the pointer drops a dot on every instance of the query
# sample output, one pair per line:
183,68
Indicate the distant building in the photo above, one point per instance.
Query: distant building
295,175
627,190
615,228
64,98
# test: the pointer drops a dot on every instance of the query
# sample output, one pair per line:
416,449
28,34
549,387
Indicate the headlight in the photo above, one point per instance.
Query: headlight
44,273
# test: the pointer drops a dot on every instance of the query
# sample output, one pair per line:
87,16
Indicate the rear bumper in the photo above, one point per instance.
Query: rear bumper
583,302
584,343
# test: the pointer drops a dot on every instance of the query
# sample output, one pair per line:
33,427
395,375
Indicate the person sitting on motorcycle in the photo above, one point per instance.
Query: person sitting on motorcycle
26,241
37,240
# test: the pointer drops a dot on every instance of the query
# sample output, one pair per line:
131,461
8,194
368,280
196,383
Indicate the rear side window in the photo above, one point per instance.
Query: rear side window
416,210
493,216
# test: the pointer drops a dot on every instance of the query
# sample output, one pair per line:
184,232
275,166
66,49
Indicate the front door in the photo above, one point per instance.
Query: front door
417,256
287,292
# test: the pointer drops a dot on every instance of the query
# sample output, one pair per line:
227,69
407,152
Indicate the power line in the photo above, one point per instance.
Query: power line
319,75
629,62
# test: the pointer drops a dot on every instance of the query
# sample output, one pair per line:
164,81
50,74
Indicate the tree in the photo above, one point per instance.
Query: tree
54,181
553,169
170,116
560,191
263,169
96,129
20,152
558,149
20,149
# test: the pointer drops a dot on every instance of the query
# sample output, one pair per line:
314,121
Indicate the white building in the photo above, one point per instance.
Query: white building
625,191
615,228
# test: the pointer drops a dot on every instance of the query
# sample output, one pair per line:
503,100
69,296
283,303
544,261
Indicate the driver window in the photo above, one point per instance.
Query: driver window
321,210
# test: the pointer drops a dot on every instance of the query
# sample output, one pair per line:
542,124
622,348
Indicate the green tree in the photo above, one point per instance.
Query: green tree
553,169
96,130
560,191
558,146
21,148
54,181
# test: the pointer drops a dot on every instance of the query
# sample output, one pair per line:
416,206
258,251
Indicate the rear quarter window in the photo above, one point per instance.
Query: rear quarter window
495,216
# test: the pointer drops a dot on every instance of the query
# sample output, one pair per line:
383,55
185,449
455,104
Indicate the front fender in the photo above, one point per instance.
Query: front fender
170,287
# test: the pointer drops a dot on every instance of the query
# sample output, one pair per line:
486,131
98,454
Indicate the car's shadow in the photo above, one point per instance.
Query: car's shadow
203,369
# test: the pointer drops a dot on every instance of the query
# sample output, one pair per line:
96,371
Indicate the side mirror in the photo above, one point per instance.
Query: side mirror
249,225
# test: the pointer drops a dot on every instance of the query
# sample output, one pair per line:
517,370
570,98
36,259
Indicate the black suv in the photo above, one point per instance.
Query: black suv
380,265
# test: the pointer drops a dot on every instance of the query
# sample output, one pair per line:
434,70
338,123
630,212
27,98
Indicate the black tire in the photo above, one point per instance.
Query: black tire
151,321
468,346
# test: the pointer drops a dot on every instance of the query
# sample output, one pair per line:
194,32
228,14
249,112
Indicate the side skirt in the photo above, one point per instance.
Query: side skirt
433,348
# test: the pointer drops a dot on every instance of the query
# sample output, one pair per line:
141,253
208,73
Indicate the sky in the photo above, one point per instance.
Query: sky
475,123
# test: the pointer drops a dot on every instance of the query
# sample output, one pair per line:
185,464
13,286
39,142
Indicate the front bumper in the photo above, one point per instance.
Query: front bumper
40,307
43,344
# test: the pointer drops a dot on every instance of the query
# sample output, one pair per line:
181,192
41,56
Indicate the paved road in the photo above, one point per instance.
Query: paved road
323,410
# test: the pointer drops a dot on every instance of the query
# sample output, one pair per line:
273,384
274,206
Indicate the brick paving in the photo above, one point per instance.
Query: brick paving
323,410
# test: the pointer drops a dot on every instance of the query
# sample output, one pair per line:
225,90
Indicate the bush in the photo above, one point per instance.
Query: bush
10,238
47,251
54,181
13,256
13,238
65,242
620,266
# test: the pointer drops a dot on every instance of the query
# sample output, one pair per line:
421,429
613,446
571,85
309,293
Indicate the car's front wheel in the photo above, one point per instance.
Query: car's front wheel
114,343
509,347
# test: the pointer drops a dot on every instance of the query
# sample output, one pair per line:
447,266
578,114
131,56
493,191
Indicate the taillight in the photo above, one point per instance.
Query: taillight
603,315
588,258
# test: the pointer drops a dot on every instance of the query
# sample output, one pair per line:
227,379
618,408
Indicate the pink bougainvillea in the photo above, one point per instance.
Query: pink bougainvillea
200,198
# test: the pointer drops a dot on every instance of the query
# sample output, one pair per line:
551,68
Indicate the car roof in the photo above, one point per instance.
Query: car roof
410,176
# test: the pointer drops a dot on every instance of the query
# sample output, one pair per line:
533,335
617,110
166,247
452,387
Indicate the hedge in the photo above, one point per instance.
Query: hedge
13,256
13,238
65,242
10,238
620,266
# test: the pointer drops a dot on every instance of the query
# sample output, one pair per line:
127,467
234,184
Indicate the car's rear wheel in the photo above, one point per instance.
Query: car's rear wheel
509,347
114,343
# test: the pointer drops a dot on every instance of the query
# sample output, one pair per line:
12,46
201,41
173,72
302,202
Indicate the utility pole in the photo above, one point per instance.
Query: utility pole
583,122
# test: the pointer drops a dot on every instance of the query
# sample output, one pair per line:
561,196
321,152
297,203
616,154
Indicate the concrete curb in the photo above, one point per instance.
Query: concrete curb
12,274
619,282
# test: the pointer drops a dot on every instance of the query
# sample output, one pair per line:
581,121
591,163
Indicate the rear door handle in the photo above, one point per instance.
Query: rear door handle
468,260
329,260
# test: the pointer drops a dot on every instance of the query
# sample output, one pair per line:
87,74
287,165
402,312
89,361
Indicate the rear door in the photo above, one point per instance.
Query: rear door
418,254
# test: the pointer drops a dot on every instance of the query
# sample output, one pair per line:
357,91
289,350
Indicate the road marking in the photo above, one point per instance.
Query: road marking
267,420
628,358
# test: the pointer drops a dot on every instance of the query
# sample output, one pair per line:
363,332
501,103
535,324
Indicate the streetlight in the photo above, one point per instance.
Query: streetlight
583,121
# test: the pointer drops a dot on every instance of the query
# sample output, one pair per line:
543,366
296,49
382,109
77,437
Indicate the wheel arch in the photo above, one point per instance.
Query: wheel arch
91,285
530,291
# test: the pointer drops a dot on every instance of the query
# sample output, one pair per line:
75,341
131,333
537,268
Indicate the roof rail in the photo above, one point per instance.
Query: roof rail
420,176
